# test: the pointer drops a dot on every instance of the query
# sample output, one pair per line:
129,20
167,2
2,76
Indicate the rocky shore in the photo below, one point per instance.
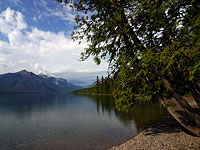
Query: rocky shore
165,135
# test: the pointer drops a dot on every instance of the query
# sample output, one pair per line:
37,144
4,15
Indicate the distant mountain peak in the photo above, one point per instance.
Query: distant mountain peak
24,72
24,81
44,74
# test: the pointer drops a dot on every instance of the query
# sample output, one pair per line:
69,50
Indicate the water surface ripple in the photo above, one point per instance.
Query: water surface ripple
71,122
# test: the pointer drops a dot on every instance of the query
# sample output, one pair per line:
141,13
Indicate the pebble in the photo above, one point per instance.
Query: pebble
165,135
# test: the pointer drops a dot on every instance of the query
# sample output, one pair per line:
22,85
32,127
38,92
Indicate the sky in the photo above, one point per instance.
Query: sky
35,35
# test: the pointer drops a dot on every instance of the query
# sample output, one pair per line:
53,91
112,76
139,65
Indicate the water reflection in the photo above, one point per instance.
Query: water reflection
144,114
69,121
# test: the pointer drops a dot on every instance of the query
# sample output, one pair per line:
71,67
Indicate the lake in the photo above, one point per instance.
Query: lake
71,122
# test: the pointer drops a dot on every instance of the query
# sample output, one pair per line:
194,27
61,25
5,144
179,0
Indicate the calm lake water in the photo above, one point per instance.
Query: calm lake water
69,122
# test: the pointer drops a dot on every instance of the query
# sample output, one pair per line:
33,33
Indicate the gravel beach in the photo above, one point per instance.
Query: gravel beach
165,135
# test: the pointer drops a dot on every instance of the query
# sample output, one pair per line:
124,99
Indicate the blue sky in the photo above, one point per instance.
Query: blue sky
35,35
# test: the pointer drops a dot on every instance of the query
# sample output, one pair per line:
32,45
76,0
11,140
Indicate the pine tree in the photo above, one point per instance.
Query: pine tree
153,47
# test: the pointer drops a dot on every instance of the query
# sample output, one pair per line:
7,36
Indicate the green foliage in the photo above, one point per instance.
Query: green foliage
143,41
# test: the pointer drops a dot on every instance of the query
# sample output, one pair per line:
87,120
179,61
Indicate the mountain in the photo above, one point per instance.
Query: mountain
83,84
24,81
90,85
93,84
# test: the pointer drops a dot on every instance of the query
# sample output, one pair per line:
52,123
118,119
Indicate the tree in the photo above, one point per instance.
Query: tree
102,79
97,85
153,47
97,82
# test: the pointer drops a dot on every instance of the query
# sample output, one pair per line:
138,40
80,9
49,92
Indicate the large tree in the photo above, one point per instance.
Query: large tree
152,46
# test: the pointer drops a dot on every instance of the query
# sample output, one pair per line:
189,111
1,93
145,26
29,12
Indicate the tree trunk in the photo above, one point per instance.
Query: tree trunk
174,111
195,115
195,93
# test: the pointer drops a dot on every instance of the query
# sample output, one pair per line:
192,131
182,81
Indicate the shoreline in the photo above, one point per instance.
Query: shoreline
93,94
166,134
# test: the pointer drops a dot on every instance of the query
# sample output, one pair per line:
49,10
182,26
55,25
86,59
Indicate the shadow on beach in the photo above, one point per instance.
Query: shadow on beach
167,125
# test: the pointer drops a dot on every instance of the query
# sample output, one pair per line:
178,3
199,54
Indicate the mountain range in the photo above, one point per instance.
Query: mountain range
24,81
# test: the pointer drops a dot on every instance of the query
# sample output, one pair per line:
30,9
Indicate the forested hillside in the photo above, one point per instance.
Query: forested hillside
103,86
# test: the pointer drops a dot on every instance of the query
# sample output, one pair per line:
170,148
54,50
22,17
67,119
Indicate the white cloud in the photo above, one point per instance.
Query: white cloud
16,2
39,51
34,18
11,20
63,12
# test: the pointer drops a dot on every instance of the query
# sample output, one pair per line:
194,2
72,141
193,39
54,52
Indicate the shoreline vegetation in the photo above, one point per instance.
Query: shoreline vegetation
153,52
175,105
95,94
